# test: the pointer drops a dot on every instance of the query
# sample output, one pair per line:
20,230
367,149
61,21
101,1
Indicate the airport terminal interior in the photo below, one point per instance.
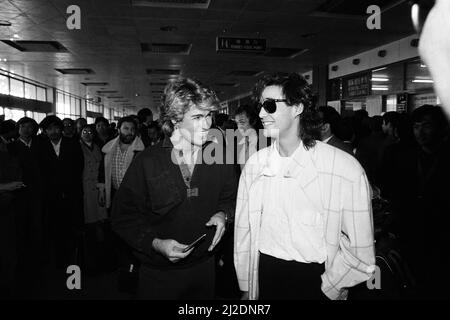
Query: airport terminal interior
96,80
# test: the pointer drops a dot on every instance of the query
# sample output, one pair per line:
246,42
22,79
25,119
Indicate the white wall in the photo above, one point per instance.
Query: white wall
395,51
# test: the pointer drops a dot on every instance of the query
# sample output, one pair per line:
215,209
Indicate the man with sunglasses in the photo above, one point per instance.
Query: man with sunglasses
303,227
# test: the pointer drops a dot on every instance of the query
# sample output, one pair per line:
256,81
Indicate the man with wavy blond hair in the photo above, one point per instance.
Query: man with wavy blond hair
171,196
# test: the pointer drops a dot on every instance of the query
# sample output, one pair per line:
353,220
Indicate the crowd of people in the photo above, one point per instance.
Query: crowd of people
290,217
57,179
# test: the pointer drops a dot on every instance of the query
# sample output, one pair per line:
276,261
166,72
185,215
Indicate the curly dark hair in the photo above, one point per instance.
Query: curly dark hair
252,115
296,90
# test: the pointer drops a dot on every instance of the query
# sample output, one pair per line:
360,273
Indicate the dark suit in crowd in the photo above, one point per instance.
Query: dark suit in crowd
62,176
30,213
9,172
338,143
417,185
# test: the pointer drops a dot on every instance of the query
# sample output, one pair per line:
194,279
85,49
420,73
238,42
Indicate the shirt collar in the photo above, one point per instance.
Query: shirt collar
58,143
328,139
28,144
299,159
4,140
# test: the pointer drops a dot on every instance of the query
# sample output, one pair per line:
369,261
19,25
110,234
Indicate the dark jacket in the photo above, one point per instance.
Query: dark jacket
338,143
369,153
417,185
62,176
29,162
9,172
143,133
152,202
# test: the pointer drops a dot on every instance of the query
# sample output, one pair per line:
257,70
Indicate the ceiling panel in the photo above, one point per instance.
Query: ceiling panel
112,31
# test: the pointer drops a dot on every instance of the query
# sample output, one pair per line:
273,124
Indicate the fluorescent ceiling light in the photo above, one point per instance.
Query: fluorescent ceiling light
423,81
380,89
378,79
379,69
415,9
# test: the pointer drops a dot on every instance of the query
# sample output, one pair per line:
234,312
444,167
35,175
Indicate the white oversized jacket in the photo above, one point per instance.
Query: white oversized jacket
337,185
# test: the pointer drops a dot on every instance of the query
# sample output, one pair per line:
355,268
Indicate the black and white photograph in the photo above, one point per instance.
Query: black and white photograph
224,155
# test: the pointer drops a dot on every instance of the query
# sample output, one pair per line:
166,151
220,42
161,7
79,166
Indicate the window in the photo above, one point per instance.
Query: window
108,114
94,107
388,80
418,76
24,89
17,88
67,106
118,113
14,114
38,116
30,91
4,84
391,103
41,94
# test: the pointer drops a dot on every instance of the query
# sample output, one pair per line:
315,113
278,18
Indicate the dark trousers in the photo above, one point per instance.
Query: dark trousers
193,283
289,280
62,232
124,253
8,252
227,286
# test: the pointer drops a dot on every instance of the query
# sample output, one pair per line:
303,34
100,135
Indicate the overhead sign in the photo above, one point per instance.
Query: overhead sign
357,86
242,45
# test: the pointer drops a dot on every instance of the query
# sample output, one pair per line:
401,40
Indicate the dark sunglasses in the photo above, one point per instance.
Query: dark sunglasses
419,13
270,105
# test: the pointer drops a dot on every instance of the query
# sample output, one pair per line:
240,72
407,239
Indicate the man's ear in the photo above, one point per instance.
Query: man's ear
298,109
325,127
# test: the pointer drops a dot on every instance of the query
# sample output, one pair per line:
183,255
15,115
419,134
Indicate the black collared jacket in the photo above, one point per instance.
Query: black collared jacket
153,202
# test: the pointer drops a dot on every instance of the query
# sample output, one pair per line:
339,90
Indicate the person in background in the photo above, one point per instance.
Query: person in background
61,163
79,124
172,194
347,134
370,150
155,133
361,128
69,129
8,132
304,226
10,185
30,209
113,127
94,211
246,120
219,121
119,153
390,126
145,116
102,132
330,125
415,180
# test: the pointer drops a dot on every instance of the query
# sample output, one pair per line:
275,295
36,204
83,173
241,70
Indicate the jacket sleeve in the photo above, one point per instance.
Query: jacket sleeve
101,170
242,234
355,259
130,204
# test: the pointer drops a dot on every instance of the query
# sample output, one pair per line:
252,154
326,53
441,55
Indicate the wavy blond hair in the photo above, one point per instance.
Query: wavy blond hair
179,96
